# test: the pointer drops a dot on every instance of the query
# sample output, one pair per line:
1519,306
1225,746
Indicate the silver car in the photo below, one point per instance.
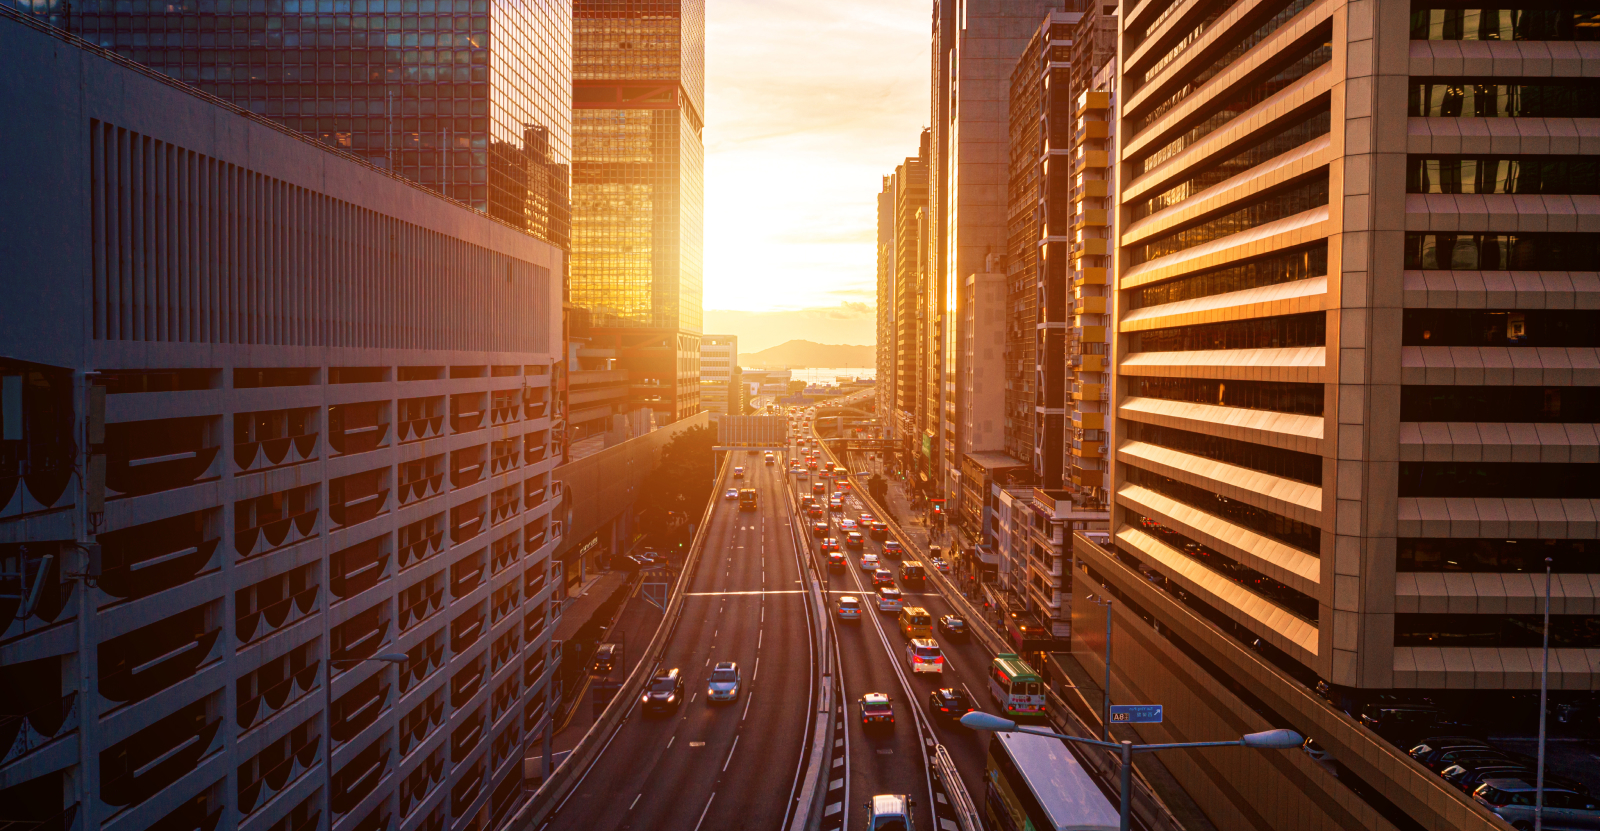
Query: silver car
1512,800
724,683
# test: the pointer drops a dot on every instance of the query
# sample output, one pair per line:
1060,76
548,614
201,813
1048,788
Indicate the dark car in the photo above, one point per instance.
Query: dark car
837,561
605,658
1475,756
815,512
876,712
952,627
1469,777
892,549
949,703
819,528
1401,724
878,530
1428,750
665,692
807,501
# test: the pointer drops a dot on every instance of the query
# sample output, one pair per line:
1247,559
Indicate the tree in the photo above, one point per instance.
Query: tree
677,491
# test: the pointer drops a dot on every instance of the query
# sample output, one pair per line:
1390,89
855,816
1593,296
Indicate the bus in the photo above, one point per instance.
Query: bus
1015,687
1034,782
747,499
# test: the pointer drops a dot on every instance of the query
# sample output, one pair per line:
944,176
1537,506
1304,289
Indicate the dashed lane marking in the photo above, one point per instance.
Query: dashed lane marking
833,808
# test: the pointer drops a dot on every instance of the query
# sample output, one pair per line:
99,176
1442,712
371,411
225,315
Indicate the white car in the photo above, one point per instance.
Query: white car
849,608
724,683
731,494
924,655
869,561
847,525
889,599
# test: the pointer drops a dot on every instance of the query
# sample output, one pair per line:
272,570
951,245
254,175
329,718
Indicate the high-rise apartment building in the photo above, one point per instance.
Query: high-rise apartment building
902,304
719,375
975,50
1356,370
884,283
276,497
467,98
638,104
1091,265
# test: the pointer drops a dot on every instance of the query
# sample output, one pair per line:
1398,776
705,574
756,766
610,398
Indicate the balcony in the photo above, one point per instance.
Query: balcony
1089,247
421,479
36,468
145,559
306,816
504,601
468,520
533,625
1089,421
358,568
1088,218
1091,101
1087,363
359,776
360,636
467,789
267,773
1087,130
505,504
466,629
275,521
421,418
1084,159
1089,277
421,540
358,428
417,725
504,552
356,498
1089,305
426,776
504,745
505,407
274,438
533,666
35,709
275,684
360,706
467,411
504,649
1088,392
141,663
466,683
274,603
151,760
422,661
144,457
465,738
466,575
200,812
421,601
504,697
504,456
467,466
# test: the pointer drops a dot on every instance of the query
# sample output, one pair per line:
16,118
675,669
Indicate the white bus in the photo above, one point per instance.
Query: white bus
1034,782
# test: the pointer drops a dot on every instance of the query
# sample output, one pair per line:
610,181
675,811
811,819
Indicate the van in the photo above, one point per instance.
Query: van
890,812
911,573
915,622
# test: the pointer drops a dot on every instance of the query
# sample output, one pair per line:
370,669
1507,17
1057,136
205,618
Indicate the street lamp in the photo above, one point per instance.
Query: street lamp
1266,740
1105,710
396,658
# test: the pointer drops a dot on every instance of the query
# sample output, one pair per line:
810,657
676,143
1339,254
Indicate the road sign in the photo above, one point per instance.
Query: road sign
1136,714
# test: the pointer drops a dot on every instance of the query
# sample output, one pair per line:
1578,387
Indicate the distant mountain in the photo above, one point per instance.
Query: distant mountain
804,354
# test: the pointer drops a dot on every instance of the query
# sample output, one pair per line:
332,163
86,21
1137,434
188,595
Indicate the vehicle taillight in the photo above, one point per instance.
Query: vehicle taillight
939,660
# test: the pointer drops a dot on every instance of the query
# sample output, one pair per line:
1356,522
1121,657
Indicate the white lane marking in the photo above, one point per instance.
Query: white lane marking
772,591
759,633
730,754
671,740
757,670
706,811
693,697
833,808
747,700
635,801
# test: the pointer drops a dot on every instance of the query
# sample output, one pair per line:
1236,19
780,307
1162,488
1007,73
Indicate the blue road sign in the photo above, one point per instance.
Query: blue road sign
1136,714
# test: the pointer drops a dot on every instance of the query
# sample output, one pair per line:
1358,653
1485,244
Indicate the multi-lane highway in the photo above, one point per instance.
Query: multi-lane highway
727,765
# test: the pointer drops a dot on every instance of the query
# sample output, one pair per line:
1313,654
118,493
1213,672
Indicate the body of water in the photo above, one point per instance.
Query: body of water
828,376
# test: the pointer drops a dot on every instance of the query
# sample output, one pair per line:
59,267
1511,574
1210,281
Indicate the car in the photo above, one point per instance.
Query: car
855,540
1468,778
866,518
665,692
771,459
949,703
1429,750
848,525
811,464
819,488
876,711
869,561
1513,801
837,561
889,599
829,544
820,528
891,548
835,504
879,530
1467,756
815,512
952,627
807,500
849,607
605,658
724,682
730,494
890,812
940,564
738,473
882,577
924,656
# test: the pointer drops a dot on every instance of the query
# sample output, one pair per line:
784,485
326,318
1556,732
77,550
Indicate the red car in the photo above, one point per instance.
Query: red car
876,711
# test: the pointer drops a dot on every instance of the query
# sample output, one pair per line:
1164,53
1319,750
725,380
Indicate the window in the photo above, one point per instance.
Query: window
1524,480
1284,397
1255,212
1290,532
1551,405
1289,464
1502,252
1503,174
1282,267
1498,98
1447,630
1492,327
1293,600
1269,144
1497,555
1505,24
1309,329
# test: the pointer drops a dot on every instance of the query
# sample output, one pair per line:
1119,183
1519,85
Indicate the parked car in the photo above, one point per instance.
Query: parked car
1469,777
1513,801
1401,724
940,564
1475,755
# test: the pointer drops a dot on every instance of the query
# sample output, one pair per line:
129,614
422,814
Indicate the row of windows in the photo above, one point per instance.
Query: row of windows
1268,145
1290,532
178,8
1511,480
1282,397
1137,80
1288,331
274,23
1503,174
1502,252
1461,98
1289,464
1256,212
1548,405
1493,327
1566,631
1497,555
1280,267
1505,24
1211,68
1295,601
1298,67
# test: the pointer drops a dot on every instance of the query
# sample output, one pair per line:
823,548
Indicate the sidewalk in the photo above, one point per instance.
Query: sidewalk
635,623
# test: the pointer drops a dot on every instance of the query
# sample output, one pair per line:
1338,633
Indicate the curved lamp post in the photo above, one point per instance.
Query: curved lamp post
1265,740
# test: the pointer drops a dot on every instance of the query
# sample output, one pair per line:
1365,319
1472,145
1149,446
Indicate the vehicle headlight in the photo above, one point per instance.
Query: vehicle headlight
672,698
646,698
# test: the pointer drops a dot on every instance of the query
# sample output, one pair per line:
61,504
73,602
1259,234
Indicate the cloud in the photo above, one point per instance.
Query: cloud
849,322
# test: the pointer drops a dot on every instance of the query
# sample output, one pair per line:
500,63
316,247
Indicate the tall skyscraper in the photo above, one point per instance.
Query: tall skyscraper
719,374
638,104
277,507
468,98
1355,397
902,236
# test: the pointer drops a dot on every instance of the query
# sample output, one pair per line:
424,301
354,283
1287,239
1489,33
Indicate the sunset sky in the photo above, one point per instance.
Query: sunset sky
808,105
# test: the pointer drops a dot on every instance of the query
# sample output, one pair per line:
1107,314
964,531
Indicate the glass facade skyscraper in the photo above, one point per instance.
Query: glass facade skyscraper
638,189
468,98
